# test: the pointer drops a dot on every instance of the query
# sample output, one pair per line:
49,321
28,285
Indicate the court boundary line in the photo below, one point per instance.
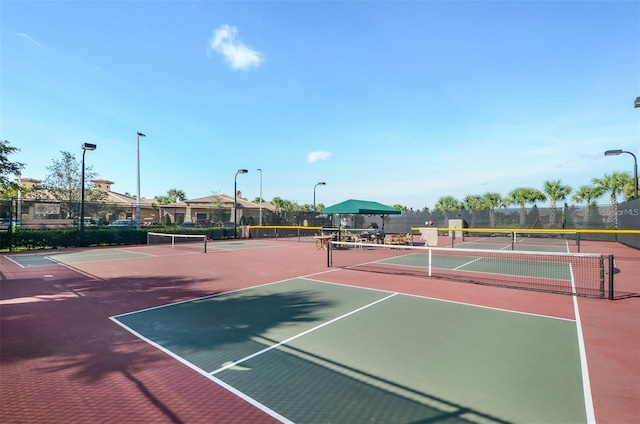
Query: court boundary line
51,257
210,296
205,374
584,368
11,260
457,302
284,342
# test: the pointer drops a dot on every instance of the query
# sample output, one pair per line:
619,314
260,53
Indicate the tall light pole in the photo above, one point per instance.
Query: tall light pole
260,196
138,135
314,201
635,168
85,147
235,202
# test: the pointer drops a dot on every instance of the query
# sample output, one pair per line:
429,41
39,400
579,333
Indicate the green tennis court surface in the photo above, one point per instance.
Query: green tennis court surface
306,351
507,246
47,259
510,267
239,245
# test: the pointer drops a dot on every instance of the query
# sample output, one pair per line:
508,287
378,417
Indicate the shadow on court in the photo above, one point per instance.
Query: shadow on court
61,329
216,331
328,391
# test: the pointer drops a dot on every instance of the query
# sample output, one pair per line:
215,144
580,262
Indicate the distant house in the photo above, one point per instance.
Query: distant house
42,205
215,210
212,210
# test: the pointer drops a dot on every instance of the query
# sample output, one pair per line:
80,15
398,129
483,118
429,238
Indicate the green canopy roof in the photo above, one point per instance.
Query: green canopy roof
361,207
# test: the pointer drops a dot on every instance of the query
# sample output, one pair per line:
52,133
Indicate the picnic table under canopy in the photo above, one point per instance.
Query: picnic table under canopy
361,207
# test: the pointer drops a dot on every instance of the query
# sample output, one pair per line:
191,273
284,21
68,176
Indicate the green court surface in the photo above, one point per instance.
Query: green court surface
516,247
49,258
239,245
511,267
307,351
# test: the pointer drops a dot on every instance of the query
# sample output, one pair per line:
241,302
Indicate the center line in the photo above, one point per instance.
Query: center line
246,358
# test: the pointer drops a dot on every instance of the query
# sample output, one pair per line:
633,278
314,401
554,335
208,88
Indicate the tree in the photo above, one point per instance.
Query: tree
64,183
446,204
556,191
491,201
587,194
472,202
521,196
614,184
173,196
8,168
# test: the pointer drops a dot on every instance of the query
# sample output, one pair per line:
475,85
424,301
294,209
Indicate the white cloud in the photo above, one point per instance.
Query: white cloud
34,42
235,53
316,156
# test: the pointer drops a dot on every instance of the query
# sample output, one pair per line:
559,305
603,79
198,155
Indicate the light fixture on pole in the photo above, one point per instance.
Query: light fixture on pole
635,167
138,135
637,102
260,195
85,147
314,200
235,202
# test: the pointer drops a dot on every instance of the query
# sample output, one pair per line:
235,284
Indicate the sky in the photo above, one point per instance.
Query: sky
400,102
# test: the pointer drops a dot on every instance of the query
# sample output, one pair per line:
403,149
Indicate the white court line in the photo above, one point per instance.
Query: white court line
195,299
466,263
246,358
17,263
456,302
586,382
202,372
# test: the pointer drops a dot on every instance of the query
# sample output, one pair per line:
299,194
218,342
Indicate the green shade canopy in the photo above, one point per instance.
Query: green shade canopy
361,207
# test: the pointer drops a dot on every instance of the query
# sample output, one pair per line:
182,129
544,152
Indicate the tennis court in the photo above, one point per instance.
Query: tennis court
313,352
266,332
49,258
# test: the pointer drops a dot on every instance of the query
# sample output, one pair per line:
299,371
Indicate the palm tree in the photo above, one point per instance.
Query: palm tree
613,183
587,194
446,204
491,201
556,191
521,196
176,195
472,202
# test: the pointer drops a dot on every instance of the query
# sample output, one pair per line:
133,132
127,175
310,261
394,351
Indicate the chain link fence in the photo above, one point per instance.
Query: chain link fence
42,214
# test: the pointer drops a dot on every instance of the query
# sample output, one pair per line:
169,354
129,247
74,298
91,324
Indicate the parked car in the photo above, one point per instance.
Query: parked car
5,222
125,223
88,222
190,225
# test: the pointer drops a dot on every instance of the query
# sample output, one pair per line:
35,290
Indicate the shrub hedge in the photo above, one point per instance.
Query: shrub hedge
19,239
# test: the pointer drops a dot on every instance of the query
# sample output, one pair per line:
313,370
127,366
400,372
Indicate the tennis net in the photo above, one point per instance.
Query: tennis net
578,274
188,241
519,240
